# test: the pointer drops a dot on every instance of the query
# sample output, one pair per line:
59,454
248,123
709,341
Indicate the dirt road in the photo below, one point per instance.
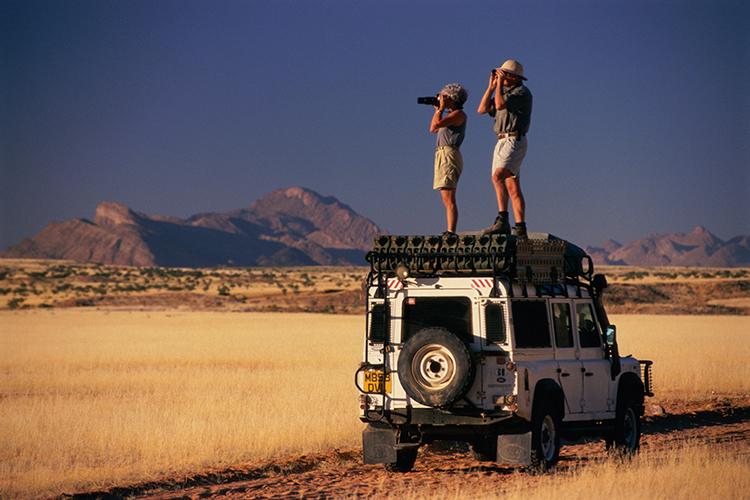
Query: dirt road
341,474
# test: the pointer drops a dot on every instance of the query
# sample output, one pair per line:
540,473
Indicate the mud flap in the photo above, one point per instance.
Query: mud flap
514,449
379,444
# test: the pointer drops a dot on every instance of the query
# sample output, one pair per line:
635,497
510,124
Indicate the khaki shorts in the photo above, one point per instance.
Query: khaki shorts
509,154
448,167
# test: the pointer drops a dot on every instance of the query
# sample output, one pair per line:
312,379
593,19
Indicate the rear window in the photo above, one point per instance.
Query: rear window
531,324
451,313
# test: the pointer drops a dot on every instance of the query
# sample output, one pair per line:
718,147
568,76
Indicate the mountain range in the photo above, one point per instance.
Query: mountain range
299,227
288,227
699,248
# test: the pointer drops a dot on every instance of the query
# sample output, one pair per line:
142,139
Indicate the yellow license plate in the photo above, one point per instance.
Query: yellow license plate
373,382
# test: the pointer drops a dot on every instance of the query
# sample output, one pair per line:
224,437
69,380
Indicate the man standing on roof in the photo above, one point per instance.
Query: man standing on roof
511,109
449,164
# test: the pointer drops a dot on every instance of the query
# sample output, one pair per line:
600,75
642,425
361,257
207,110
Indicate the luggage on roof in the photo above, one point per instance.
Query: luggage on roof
541,259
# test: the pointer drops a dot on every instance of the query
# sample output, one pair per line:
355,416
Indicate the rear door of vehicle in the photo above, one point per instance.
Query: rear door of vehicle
532,341
452,310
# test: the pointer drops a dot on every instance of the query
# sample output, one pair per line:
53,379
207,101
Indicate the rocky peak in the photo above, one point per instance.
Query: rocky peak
295,200
110,213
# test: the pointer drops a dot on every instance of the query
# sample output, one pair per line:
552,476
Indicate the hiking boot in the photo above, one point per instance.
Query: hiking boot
501,225
520,231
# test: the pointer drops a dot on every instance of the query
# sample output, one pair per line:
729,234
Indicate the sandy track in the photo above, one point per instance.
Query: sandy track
341,474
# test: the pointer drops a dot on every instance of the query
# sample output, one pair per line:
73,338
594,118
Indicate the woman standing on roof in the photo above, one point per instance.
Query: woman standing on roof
449,164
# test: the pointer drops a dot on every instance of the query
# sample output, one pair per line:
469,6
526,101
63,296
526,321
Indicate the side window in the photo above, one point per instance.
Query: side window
451,313
561,320
531,324
587,326
494,323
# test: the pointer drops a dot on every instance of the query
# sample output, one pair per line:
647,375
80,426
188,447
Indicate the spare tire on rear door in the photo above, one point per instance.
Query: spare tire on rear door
435,367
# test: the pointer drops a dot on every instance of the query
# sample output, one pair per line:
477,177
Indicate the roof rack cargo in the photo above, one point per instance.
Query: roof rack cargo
541,259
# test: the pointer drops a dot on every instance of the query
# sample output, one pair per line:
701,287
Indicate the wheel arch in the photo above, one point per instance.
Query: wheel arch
548,389
630,385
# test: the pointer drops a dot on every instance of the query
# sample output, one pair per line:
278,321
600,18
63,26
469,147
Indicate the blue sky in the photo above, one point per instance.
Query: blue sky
641,120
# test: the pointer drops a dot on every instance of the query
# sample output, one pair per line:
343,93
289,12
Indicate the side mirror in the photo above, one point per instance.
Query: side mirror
612,350
611,335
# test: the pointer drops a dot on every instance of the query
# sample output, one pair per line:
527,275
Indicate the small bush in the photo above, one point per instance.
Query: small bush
15,303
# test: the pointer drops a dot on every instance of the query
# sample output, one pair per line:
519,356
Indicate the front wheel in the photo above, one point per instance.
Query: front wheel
545,438
626,439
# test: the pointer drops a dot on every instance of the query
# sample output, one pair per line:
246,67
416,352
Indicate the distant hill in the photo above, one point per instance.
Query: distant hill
697,249
299,227
288,227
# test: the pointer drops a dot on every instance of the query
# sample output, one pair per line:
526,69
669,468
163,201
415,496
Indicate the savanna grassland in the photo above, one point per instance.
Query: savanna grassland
64,284
202,391
28,283
100,398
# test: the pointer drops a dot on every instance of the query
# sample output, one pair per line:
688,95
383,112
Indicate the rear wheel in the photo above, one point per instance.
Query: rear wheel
545,438
485,450
405,459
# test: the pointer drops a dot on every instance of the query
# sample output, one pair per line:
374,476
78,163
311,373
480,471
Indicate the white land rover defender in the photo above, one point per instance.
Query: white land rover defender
497,342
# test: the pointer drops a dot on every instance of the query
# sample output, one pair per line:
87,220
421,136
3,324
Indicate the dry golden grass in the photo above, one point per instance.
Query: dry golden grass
689,471
695,357
91,398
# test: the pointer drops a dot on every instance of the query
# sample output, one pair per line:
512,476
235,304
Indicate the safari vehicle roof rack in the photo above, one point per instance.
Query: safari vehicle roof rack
543,259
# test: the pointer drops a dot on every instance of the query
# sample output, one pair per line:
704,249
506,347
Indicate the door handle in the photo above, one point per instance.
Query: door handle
589,374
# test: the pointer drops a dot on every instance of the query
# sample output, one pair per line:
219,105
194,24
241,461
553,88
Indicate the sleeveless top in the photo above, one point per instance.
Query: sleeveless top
451,136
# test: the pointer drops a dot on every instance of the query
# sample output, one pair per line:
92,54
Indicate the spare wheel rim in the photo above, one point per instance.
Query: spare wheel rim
434,367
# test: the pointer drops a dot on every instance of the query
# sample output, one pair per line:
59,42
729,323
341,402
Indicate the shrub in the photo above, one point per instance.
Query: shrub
15,303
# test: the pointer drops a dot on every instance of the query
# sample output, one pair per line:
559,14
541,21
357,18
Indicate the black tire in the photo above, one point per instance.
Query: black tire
545,437
484,451
626,438
435,367
405,459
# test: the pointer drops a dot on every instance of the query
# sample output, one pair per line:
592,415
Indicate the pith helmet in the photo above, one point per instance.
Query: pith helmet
514,67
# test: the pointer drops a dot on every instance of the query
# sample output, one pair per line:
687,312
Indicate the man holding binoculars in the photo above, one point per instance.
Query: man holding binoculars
511,109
